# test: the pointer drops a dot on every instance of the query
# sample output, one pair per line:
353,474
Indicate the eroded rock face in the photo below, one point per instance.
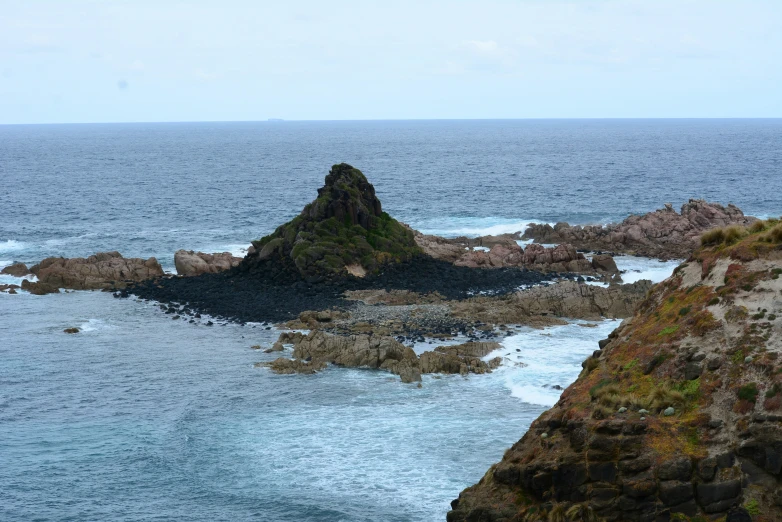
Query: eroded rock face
16,270
679,411
102,271
190,263
663,234
385,353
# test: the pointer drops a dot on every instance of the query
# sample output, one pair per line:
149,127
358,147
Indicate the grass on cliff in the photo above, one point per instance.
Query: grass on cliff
739,243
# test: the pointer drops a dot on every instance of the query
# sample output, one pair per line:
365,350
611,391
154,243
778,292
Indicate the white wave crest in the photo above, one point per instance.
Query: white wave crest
11,245
535,394
474,227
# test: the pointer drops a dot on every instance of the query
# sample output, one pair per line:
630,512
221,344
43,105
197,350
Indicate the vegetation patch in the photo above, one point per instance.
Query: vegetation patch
748,392
343,226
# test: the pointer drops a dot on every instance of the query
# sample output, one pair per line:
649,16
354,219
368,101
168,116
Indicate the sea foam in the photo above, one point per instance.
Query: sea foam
474,227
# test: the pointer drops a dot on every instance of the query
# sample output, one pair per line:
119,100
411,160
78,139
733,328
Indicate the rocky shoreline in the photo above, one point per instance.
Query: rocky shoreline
662,234
676,416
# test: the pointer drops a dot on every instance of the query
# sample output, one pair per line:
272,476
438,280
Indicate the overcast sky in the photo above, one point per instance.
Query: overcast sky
140,60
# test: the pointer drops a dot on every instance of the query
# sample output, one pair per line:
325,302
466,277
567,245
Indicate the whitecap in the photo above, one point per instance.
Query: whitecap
474,227
92,325
535,394
635,268
11,245
550,358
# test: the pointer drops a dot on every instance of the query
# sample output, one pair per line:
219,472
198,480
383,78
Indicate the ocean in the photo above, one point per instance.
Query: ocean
139,417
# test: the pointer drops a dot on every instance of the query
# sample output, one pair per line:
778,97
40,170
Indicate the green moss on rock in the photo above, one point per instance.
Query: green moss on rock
345,225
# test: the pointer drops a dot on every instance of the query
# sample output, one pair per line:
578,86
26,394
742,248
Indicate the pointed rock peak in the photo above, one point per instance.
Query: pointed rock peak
346,196
345,226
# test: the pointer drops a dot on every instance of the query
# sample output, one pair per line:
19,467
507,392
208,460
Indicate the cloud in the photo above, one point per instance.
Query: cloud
486,56
39,43
205,76
486,47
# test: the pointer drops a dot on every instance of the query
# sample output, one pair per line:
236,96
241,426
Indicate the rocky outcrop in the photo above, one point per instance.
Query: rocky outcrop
189,263
382,352
504,251
343,227
102,271
566,299
676,416
663,234
39,288
16,270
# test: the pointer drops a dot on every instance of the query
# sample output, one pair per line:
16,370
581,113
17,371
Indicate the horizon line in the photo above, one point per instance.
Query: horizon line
283,120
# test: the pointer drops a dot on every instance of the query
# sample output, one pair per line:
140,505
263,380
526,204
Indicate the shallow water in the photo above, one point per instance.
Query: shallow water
142,417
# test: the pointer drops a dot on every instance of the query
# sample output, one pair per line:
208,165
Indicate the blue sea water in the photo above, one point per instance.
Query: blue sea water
141,417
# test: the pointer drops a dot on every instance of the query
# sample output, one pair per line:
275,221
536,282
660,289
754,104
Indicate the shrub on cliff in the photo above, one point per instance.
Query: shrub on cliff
344,229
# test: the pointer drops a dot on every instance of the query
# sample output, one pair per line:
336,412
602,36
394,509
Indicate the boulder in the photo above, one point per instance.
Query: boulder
39,288
288,366
16,270
189,263
102,271
604,263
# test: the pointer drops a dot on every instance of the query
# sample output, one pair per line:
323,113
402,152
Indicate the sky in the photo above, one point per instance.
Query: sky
69,61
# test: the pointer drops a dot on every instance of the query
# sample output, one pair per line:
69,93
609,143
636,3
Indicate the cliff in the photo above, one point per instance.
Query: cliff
344,230
678,415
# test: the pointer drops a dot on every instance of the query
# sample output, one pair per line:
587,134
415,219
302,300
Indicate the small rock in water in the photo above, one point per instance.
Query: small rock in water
669,411
256,347
71,330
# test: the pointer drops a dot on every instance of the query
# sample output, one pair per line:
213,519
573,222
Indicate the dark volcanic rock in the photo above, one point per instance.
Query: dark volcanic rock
344,230
269,292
